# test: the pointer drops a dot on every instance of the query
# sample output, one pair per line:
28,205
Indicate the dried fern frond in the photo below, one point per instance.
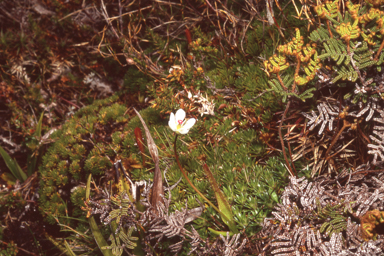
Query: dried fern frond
328,113
232,246
163,224
322,217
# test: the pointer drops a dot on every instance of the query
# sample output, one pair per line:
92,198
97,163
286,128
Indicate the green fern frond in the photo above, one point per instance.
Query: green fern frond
276,63
123,204
336,50
366,62
380,60
117,249
334,218
348,31
319,34
287,80
127,238
324,227
275,86
329,9
307,94
346,74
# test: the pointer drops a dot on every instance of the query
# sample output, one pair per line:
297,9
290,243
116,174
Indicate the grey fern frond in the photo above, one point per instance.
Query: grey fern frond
316,217
377,150
232,246
327,115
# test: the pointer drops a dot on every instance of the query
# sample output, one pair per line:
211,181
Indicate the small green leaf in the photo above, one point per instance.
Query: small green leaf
217,233
13,166
275,197
88,188
39,126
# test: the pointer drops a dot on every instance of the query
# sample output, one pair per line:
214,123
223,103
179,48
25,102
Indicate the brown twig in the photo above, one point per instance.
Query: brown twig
367,171
379,51
281,82
345,125
121,17
282,141
329,29
69,102
290,156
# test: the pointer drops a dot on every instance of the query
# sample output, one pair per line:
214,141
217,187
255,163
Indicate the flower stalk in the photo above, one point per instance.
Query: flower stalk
191,184
188,180
180,125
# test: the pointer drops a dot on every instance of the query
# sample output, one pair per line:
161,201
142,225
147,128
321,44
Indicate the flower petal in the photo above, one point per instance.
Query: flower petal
180,115
172,122
188,125
182,130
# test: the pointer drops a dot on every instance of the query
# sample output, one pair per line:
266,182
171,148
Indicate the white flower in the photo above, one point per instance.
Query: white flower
179,124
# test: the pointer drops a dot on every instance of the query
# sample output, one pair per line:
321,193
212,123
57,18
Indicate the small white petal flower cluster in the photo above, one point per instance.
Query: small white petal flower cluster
206,107
20,72
179,124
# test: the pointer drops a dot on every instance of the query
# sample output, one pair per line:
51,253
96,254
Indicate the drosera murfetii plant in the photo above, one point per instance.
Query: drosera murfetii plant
94,142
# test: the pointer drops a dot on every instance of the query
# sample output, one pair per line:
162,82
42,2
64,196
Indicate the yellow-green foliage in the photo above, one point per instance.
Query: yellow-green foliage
304,55
342,37
370,224
345,43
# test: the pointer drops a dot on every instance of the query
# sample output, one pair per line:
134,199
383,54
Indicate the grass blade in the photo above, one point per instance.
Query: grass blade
13,166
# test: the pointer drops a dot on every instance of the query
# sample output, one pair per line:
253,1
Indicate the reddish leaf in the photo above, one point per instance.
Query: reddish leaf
188,35
222,106
157,189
